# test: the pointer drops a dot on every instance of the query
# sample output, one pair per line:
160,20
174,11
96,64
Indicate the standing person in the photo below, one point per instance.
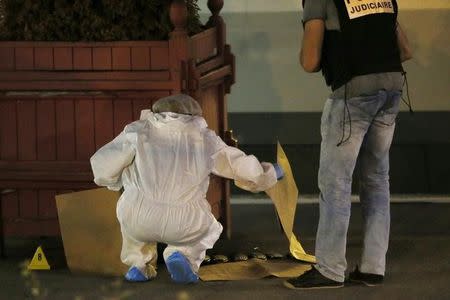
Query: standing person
359,46
163,162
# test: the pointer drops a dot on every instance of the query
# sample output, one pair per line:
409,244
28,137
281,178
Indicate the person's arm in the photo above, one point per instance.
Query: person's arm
311,49
110,160
403,44
246,170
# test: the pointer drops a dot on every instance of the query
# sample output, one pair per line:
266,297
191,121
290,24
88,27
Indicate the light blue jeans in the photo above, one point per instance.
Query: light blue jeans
372,128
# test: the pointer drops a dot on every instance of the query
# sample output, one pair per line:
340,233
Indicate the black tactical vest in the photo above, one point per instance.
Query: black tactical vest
366,43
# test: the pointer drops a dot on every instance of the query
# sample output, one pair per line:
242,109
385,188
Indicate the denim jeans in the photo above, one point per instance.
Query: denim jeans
372,127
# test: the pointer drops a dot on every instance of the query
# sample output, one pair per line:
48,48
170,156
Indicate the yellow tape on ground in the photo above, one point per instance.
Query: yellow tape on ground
284,195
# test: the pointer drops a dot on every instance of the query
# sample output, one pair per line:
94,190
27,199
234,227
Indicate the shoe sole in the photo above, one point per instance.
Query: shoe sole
365,282
292,287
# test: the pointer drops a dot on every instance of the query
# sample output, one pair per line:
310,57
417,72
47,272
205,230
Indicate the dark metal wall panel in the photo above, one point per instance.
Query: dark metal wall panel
420,160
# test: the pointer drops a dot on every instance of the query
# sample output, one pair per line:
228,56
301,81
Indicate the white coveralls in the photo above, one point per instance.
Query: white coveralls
163,161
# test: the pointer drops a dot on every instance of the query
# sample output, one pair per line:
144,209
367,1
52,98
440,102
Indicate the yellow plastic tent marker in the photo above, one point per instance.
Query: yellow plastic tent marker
284,195
39,261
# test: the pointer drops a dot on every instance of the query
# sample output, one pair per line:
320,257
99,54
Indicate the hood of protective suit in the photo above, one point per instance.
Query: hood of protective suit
172,119
178,103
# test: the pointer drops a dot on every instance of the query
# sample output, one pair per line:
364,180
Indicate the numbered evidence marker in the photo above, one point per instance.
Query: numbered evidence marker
39,261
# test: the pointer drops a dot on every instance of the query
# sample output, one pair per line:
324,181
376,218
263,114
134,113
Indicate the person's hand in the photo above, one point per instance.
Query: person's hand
279,171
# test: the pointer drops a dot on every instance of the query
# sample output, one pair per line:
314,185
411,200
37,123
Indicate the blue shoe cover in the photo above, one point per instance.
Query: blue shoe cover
180,269
135,275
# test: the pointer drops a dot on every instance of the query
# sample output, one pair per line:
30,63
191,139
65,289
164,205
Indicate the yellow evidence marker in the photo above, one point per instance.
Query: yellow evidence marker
284,196
39,261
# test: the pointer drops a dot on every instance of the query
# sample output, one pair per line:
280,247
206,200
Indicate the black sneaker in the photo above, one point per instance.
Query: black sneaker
312,279
365,278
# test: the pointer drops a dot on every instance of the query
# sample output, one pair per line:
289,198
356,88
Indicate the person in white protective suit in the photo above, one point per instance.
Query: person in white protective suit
163,162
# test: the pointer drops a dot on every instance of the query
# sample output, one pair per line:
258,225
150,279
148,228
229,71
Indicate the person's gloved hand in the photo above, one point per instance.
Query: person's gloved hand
279,171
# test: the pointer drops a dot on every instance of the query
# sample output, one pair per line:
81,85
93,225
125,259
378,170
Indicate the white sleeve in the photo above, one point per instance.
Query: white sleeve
246,170
110,160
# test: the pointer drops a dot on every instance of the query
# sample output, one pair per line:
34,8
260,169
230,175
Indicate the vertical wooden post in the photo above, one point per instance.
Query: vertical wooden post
230,60
215,6
179,46
226,194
